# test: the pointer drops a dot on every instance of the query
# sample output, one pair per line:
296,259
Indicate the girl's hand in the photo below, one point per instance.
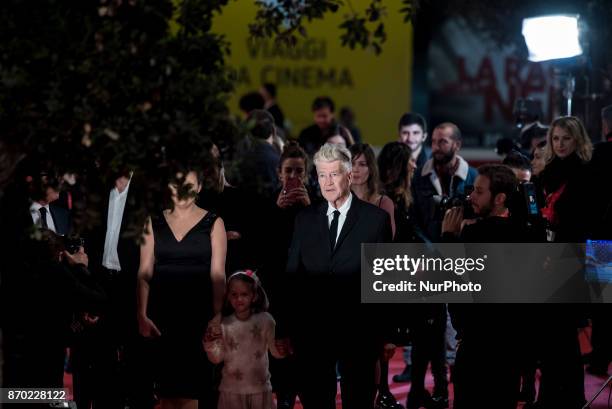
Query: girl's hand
233,235
214,328
147,328
283,346
388,352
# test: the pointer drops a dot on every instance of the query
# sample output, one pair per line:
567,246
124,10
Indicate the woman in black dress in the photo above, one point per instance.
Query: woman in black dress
180,289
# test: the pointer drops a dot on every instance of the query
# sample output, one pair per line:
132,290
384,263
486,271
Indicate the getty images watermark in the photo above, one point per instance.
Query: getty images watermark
480,272
413,265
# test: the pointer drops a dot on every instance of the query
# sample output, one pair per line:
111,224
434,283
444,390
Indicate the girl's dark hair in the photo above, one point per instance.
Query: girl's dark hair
293,150
393,167
366,150
260,303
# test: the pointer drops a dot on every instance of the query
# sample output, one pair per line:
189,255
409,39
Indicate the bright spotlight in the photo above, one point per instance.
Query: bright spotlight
552,37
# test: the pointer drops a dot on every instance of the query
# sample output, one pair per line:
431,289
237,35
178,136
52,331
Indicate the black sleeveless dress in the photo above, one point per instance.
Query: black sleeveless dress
181,304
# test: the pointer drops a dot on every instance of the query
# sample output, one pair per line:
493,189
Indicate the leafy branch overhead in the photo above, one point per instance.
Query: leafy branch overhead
285,20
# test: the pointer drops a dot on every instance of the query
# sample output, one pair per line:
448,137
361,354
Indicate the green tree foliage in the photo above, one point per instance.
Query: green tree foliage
101,86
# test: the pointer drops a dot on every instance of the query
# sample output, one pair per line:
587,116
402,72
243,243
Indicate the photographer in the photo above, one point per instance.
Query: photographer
497,332
487,334
56,292
493,188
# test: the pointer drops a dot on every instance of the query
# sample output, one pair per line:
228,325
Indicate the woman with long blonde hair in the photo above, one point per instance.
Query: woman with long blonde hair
568,150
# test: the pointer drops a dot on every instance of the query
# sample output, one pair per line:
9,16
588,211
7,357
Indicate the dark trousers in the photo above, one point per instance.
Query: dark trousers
32,361
486,375
319,350
601,338
428,345
96,372
284,381
562,383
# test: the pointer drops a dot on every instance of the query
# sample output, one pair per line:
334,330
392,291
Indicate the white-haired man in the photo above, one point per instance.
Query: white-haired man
329,326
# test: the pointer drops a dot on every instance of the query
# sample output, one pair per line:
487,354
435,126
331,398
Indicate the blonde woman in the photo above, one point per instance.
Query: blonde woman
568,150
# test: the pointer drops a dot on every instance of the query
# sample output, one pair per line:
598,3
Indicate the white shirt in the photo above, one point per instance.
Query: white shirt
343,212
35,213
116,205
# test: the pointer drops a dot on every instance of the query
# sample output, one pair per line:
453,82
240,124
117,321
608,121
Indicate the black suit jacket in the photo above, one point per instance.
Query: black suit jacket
326,282
61,219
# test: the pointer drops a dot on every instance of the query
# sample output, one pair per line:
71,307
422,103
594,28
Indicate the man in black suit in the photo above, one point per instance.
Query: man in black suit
328,325
45,214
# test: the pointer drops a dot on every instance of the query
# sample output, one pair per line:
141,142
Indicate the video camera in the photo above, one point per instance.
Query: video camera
444,203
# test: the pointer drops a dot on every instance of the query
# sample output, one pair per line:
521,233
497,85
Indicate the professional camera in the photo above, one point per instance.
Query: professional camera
73,242
444,203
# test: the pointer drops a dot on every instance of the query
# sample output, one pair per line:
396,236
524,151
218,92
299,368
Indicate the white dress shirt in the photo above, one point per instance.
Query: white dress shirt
343,212
35,213
116,205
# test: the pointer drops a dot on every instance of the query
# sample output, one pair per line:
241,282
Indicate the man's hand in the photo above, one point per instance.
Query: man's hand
452,221
80,257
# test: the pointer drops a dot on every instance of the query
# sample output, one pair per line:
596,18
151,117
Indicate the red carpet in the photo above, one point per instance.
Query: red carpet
400,390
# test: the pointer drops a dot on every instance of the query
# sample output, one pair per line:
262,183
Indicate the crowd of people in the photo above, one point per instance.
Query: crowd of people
156,319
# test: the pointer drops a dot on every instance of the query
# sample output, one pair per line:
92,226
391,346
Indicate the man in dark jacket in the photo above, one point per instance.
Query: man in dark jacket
446,174
330,326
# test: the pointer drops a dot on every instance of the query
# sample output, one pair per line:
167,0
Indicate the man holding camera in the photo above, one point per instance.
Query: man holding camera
489,334
499,333
493,188
446,174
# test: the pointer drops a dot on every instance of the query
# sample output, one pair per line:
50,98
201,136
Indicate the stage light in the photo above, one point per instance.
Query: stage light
552,37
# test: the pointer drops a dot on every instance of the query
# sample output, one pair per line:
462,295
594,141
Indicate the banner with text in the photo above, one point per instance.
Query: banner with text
376,87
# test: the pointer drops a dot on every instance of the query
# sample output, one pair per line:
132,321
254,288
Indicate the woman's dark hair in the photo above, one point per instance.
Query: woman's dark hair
344,134
293,150
393,165
366,150
516,160
260,303
176,173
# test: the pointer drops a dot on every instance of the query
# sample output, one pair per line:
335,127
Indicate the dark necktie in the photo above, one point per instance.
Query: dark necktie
333,230
43,217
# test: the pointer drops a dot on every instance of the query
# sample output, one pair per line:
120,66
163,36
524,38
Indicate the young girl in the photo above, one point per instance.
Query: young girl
242,342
